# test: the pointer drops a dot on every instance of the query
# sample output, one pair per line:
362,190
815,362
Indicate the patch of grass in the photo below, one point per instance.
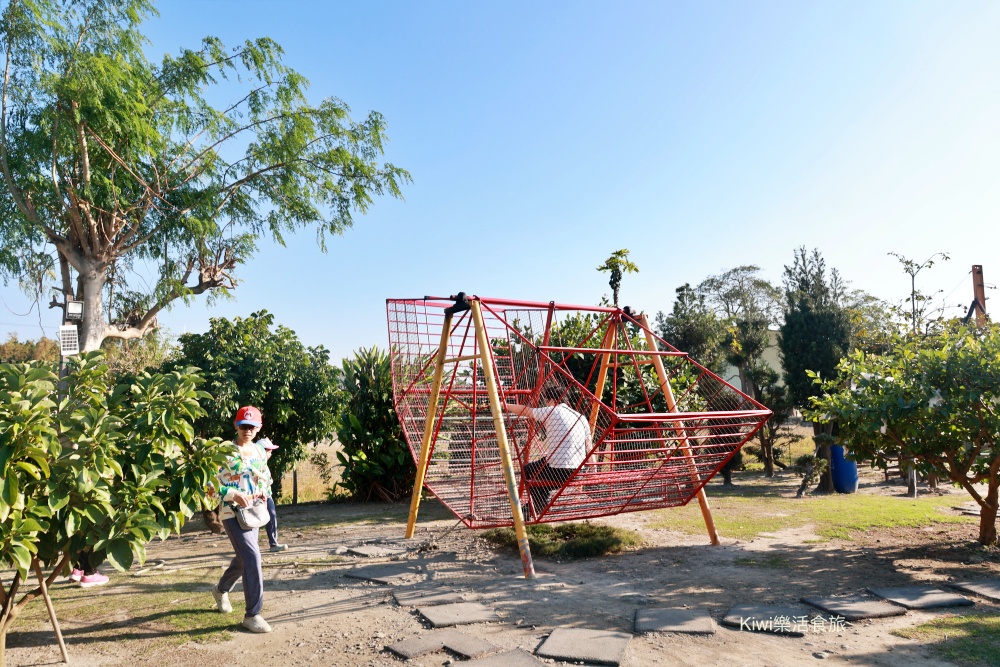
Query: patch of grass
567,541
745,513
775,562
971,640
165,610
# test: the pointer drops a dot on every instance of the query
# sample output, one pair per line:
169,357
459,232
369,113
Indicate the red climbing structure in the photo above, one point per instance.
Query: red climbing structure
662,425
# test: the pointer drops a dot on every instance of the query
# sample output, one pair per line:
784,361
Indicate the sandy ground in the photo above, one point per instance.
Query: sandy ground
322,618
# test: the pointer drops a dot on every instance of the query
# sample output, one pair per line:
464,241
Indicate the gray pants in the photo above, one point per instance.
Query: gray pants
246,564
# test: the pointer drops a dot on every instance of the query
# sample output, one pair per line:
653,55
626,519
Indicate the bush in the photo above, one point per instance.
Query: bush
375,458
98,466
567,541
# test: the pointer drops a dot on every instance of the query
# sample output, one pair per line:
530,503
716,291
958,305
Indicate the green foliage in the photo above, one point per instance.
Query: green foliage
14,351
98,466
567,541
375,458
930,398
617,265
246,362
747,304
113,162
816,332
694,328
811,467
128,358
919,301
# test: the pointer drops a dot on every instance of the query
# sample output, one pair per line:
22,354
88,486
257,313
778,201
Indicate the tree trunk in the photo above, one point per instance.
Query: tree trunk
911,480
766,453
988,526
3,644
988,516
91,290
823,452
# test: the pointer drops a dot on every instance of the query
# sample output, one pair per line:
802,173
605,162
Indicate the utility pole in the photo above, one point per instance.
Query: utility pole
979,292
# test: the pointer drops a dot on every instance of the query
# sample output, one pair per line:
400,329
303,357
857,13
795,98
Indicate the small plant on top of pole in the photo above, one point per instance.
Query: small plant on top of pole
617,264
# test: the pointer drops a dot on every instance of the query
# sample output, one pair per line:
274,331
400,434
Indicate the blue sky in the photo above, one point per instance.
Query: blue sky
701,136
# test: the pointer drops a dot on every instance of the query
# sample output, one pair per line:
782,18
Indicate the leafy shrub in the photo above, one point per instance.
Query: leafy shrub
567,540
249,361
98,467
375,458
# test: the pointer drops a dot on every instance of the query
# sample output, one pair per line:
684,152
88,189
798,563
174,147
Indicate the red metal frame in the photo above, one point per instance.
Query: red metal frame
642,456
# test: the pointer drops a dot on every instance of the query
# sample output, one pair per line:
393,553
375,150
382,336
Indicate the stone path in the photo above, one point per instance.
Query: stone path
446,592
443,606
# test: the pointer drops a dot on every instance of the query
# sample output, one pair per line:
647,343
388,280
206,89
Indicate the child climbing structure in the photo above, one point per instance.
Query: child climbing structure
472,377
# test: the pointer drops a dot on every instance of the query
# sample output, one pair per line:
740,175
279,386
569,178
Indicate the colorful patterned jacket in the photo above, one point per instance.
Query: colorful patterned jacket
247,471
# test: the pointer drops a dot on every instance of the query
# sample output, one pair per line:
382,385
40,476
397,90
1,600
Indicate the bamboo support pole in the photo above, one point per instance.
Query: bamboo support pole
425,442
52,609
496,408
668,394
602,374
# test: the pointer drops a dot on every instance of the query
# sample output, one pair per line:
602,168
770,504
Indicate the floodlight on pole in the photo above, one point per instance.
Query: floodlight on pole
74,310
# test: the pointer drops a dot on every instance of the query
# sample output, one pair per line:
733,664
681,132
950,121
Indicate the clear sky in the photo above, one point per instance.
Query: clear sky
701,136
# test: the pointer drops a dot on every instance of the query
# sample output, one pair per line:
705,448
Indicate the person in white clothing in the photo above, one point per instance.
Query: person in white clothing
568,438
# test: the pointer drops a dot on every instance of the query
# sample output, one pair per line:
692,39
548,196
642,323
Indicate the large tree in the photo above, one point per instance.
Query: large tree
931,398
816,332
694,328
248,361
748,305
113,163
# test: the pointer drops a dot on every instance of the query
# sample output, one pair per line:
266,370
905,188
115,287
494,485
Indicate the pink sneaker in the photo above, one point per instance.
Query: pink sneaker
95,579
76,575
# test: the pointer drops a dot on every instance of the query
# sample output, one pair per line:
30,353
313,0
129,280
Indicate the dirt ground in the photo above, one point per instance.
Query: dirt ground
322,618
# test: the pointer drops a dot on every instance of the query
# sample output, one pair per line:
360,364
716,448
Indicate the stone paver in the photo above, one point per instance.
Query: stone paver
383,574
459,613
427,597
685,621
374,551
781,619
602,647
921,597
453,640
855,607
987,588
516,658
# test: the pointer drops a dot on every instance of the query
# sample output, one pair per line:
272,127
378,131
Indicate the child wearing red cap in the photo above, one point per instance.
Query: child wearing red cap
272,526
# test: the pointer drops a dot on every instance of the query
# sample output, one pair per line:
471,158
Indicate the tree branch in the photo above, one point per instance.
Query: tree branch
25,206
209,277
82,140
196,135
235,132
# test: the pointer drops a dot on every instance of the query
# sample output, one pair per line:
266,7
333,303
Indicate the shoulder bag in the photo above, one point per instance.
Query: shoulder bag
254,516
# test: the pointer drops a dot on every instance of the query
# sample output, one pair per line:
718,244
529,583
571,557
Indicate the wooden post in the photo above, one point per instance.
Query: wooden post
602,373
979,291
52,610
486,359
668,394
425,442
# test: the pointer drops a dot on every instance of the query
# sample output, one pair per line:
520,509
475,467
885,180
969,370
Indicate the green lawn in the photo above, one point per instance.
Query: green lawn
971,640
754,507
162,610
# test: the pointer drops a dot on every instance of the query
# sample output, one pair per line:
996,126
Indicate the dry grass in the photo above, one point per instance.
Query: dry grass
312,487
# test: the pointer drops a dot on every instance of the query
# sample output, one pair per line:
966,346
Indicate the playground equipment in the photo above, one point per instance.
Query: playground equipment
661,424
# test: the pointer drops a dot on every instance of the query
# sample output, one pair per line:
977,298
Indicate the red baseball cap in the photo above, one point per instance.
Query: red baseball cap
247,415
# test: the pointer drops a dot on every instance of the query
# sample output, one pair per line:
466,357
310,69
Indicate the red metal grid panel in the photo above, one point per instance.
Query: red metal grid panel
642,454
